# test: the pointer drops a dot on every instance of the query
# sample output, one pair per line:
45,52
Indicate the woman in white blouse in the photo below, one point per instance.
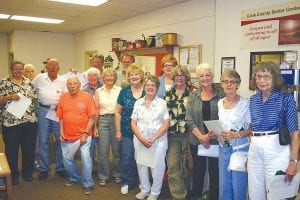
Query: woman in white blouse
150,122
106,100
234,116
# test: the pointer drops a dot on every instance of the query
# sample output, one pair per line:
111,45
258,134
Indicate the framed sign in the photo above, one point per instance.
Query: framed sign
227,63
191,57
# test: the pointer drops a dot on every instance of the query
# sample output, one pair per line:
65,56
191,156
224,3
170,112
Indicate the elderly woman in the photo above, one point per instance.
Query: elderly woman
93,75
234,116
29,71
165,80
177,99
106,100
150,122
19,131
266,155
125,102
203,106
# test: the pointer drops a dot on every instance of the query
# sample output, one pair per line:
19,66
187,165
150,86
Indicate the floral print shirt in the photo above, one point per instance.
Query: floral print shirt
8,87
177,109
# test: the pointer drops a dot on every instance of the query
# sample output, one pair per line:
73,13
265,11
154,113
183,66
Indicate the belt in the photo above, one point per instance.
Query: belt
266,133
44,106
106,115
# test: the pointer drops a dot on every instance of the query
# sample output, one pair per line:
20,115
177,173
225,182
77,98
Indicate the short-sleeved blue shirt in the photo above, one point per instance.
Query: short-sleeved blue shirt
266,116
127,100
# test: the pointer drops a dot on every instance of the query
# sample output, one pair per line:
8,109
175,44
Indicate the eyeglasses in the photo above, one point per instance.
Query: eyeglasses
168,65
264,77
227,82
179,75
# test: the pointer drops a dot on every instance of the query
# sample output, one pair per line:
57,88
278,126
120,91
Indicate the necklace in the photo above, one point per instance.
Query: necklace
230,104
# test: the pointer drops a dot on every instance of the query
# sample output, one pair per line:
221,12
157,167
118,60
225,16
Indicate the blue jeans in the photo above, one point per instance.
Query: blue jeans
107,137
45,128
69,149
233,184
94,146
129,175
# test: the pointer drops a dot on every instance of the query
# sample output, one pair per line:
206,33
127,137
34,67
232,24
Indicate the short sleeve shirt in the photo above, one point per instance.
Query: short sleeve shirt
127,100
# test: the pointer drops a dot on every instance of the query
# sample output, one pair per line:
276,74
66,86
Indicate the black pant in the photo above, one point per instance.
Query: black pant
200,163
23,135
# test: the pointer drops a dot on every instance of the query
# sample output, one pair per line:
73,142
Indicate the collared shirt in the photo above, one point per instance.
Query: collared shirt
91,90
177,110
149,120
265,116
8,87
49,91
108,99
236,118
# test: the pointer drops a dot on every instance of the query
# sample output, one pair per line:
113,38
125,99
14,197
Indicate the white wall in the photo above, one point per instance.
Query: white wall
35,47
228,34
3,56
193,21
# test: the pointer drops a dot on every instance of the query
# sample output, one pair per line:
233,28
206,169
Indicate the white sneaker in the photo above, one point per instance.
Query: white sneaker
124,189
142,195
152,197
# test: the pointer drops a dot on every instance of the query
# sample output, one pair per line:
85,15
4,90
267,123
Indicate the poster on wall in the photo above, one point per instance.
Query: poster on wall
272,26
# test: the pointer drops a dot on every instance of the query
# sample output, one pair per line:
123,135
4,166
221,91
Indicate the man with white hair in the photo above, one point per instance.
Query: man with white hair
93,75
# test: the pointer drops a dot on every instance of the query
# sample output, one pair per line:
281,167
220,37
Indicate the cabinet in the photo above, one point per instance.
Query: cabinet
157,52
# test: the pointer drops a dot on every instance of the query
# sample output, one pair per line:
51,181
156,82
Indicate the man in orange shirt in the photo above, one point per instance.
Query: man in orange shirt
76,112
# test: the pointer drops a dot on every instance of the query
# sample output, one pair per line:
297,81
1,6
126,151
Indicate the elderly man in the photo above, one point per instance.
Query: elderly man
50,87
97,61
76,111
126,60
93,76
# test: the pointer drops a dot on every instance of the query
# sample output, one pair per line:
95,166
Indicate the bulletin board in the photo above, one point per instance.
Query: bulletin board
191,57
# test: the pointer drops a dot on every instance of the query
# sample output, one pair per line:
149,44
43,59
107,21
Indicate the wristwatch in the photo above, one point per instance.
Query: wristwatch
294,161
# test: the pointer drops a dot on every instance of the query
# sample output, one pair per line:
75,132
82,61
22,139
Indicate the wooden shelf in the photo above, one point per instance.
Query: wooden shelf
146,51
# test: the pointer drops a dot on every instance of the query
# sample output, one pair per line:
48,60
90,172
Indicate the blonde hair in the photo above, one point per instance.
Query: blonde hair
109,70
134,68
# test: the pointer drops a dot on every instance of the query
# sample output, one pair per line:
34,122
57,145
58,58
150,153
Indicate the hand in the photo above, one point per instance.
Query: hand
96,133
229,135
83,138
290,172
62,138
212,135
207,145
15,97
73,70
146,143
118,136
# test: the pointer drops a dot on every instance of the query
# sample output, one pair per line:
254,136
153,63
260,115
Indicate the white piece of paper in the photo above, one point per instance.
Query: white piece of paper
215,126
51,114
18,108
146,156
278,189
213,151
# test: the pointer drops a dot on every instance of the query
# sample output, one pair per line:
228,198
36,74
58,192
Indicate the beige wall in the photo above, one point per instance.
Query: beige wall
193,21
3,56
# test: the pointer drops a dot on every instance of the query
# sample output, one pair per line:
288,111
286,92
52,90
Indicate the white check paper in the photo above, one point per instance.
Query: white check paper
18,108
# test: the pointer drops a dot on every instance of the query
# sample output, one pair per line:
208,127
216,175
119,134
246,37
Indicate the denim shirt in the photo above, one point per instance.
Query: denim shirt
162,87
194,116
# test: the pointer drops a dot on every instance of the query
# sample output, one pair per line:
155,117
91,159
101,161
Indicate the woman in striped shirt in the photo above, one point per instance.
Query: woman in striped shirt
266,155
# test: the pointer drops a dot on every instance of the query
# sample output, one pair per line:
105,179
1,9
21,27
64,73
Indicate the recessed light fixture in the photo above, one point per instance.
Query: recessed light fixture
83,2
4,16
37,19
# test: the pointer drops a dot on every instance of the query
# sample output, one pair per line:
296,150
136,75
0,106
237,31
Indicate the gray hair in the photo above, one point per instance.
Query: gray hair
92,70
203,66
29,66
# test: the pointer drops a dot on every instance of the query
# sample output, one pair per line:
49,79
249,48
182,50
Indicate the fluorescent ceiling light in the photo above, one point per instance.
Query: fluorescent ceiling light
83,2
37,19
4,16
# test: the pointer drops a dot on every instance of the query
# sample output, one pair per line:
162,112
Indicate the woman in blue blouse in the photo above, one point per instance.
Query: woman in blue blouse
266,155
127,97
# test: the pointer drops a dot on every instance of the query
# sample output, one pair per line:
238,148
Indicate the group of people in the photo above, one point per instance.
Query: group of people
154,123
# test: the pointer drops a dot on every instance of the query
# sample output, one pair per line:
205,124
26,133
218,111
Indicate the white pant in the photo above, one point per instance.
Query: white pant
157,172
266,156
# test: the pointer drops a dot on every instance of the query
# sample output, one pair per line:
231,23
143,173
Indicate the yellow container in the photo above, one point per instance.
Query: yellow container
169,39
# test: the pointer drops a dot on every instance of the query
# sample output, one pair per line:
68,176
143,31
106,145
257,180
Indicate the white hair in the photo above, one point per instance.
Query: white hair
203,66
92,70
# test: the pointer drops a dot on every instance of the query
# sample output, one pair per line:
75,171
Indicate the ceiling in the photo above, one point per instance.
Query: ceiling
77,18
